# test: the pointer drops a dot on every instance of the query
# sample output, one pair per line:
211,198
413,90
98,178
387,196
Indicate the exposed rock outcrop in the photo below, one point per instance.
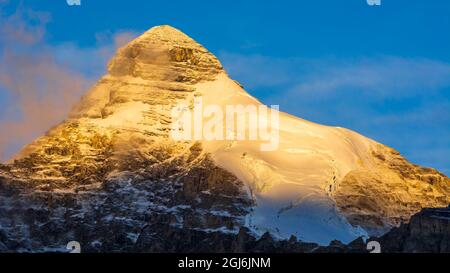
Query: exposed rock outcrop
390,192
109,213
427,231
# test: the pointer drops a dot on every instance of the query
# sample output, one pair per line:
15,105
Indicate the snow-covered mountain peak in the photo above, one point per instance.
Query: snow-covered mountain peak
321,183
169,35
169,49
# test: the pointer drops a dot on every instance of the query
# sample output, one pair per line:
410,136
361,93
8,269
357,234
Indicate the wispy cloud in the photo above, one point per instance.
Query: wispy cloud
401,102
40,81
380,77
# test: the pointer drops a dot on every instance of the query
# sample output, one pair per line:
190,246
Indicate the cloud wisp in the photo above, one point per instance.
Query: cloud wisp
388,98
40,82
379,77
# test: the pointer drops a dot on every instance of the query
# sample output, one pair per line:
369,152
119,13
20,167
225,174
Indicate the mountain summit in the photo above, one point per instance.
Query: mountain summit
112,177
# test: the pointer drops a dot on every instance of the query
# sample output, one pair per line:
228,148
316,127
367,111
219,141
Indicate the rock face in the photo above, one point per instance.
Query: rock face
427,231
113,214
389,192
111,177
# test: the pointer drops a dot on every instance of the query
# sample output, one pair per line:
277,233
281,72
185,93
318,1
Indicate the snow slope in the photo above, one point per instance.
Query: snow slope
293,184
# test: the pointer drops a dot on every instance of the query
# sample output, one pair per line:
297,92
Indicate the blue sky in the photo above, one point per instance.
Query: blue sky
383,71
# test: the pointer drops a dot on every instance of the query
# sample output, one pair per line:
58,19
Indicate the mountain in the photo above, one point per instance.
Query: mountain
113,177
